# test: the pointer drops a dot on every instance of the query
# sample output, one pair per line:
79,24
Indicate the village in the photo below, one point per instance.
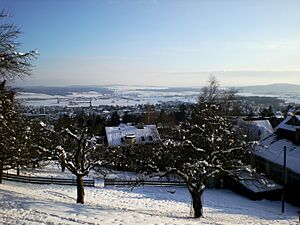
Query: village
140,124
274,158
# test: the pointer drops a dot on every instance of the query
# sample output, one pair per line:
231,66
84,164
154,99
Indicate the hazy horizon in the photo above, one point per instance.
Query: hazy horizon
227,79
24,84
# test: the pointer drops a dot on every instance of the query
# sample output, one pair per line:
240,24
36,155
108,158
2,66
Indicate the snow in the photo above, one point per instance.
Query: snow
263,126
51,204
30,96
22,203
286,126
287,97
147,134
257,129
258,183
126,95
120,96
272,147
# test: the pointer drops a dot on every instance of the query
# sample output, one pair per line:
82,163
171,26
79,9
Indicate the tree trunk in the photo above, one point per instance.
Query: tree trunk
63,168
1,172
197,203
18,170
80,190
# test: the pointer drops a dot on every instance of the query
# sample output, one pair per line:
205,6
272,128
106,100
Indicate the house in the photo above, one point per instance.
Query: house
256,129
125,134
37,117
268,157
253,186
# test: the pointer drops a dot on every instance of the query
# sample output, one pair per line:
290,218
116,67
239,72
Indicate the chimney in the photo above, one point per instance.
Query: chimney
297,136
140,126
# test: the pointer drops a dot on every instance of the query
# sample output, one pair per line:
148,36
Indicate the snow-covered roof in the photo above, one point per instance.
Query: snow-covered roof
262,127
257,129
258,183
272,147
285,125
279,115
116,135
298,119
261,123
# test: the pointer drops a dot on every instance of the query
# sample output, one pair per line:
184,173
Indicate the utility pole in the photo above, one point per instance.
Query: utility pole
284,178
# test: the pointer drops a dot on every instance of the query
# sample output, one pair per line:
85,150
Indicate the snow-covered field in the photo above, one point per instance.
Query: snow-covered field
120,96
50,204
130,96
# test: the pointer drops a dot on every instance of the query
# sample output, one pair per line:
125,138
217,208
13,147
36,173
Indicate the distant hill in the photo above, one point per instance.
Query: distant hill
271,89
64,90
171,89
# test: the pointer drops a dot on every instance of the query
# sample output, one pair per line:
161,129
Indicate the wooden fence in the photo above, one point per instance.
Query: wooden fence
46,180
116,182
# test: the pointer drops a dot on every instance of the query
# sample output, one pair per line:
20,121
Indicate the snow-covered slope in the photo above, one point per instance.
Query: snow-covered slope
49,204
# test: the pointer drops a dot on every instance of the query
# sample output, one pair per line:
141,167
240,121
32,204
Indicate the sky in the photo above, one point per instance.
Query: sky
159,42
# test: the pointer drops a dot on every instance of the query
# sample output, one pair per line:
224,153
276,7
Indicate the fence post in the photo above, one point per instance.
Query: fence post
284,179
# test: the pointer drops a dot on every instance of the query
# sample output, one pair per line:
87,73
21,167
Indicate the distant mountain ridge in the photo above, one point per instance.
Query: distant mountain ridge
278,88
65,90
171,89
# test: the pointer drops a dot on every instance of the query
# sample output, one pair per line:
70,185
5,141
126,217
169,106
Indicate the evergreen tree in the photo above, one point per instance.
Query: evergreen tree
115,119
16,134
14,131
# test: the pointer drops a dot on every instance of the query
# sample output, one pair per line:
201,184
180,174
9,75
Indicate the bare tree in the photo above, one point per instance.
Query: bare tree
226,99
13,62
210,92
75,149
203,147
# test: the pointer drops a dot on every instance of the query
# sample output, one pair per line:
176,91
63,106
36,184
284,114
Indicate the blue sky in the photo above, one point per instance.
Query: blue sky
160,42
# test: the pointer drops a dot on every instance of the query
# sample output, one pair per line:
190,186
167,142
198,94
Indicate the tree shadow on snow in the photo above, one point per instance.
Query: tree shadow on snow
228,202
11,200
214,201
176,194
